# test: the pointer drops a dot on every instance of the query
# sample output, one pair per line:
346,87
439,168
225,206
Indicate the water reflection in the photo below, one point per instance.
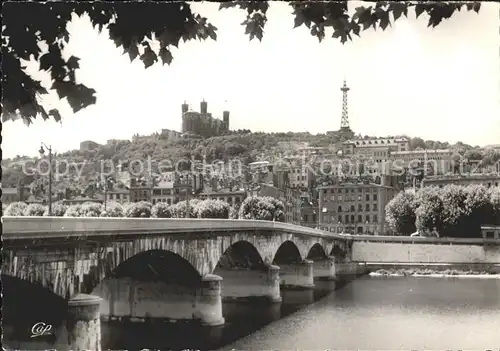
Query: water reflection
368,313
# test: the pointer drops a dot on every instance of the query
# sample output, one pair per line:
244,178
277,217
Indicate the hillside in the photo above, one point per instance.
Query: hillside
246,146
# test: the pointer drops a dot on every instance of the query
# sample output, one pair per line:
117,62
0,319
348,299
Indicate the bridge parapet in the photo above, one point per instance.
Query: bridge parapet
36,227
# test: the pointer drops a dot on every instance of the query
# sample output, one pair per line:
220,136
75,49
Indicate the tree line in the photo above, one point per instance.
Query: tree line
451,211
253,207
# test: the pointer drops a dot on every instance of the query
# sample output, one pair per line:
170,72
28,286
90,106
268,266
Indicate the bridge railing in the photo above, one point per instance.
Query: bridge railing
33,226
424,240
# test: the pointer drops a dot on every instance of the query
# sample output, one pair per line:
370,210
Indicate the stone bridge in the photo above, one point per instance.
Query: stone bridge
176,269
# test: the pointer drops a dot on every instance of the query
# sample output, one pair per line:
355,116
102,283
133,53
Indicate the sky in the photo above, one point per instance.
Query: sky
438,83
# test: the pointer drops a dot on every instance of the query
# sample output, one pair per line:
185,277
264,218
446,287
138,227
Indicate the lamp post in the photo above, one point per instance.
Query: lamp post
42,152
104,184
187,194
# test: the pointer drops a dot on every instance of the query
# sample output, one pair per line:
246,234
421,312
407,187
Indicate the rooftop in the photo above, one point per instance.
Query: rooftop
355,185
376,142
422,151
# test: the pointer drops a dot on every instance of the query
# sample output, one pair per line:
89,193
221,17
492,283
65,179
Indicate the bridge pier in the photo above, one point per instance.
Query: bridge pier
297,275
251,284
83,323
210,301
128,299
325,269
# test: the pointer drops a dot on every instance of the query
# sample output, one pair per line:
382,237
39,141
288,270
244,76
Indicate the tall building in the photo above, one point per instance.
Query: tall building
202,123
356,208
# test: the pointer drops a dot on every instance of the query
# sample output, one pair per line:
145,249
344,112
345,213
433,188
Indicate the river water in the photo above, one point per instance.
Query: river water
368,313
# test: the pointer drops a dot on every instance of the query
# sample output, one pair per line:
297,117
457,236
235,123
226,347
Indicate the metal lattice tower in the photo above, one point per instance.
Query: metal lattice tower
344,122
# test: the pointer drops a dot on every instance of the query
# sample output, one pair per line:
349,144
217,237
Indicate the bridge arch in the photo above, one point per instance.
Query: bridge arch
317,251
152,266
287,253
241,254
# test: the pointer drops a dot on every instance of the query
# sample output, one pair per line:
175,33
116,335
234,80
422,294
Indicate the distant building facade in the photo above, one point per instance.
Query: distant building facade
356,208
202,123
488,180
375,148
89,145
170,135
434,162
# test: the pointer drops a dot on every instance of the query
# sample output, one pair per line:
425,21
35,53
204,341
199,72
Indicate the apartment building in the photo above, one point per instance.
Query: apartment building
357,208
487,180
434,162
375,148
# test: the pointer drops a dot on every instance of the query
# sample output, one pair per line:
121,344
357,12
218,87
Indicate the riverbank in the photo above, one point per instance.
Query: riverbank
426,272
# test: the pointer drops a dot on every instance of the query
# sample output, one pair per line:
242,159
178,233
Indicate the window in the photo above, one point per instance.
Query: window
339,219
375,219
347,218
359,197
367,207
374,197
360,218
305,218
352,208
339,209
360,207
352,218
367,219
375,207
340,197
367,197
333,197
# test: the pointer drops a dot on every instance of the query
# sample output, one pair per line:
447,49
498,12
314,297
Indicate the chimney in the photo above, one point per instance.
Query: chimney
185,107
203,107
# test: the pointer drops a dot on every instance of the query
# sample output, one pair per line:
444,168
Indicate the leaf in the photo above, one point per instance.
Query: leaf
72,63
299,20
419,8
148,57
133,52
384,20
397,9
166,56
55,114
227,5
477,7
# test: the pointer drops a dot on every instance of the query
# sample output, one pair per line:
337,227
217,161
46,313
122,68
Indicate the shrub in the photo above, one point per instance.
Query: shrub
91,209
212,209
400,213
477,209
429,211
74,211
161,210
35,210
15,209
58,210
453,198
140,209
233,211
180,208
262,208
113,209
495,205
